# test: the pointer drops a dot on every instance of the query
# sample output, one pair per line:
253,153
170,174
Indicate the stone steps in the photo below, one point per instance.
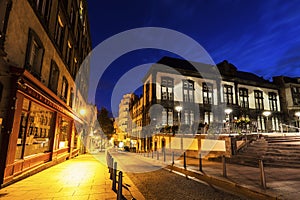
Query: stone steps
274,151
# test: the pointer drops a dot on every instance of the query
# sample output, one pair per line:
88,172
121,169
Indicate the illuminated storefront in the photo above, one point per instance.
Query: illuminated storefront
43,129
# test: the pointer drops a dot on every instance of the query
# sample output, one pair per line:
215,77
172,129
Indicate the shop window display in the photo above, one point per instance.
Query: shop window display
36,130
64,132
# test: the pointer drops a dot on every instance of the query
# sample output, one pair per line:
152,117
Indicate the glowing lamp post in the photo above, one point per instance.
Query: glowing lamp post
267,114
228,111
179,109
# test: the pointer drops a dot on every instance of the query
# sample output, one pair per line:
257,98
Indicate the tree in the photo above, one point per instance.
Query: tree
106,123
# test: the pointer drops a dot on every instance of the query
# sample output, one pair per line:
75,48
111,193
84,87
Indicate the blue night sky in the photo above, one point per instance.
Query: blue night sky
257,36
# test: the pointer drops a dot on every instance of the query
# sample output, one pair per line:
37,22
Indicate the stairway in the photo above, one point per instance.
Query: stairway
279,151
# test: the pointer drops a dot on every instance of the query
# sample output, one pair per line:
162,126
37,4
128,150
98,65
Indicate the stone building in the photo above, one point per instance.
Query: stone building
123,120
136,122
289,99
42,45
178,97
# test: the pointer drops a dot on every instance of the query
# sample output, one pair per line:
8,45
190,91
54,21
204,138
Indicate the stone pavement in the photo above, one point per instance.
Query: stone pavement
282,183
85,177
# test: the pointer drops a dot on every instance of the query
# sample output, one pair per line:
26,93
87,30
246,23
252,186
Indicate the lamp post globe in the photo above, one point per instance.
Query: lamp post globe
267,114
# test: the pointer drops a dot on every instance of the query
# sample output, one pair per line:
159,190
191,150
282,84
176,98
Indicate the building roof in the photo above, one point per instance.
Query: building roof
224,69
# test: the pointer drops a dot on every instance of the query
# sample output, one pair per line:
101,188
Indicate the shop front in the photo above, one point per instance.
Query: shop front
43,131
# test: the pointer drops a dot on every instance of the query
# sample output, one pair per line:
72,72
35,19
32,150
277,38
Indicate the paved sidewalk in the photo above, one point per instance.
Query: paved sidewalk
282,183
85,177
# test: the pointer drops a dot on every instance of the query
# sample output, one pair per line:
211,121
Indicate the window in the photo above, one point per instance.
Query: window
167,87
59,33
167,117
259,104
208,117
34,54
63,132
147,90
72,16
260,123
207,93
164,117
64,89
74,68
5,7
53,78
69,55
170,117
273,101
296,95
71,98
189,117
43,8
228,94
1,90
188,91
36,130
243,94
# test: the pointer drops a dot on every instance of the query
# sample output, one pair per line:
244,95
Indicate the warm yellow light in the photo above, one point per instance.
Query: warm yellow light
60,21
297,114
82,111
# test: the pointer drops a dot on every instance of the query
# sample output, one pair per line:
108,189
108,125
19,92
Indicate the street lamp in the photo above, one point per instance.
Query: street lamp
228,111
267,114
82,111
178,109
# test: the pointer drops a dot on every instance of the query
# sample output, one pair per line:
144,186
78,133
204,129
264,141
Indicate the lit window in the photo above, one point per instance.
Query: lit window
188,91
207,93
259,104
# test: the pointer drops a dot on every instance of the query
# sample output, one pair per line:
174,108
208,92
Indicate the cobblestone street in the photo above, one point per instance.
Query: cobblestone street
165,185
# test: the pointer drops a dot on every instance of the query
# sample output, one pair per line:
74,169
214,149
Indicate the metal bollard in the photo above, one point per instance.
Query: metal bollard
148,154
200,163
114,182
164,153
152,154
173,158
224,166
184,160
262,174
157,154
120,185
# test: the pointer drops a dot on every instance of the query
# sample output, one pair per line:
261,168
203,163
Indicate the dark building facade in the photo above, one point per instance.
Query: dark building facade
289,100
42,44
